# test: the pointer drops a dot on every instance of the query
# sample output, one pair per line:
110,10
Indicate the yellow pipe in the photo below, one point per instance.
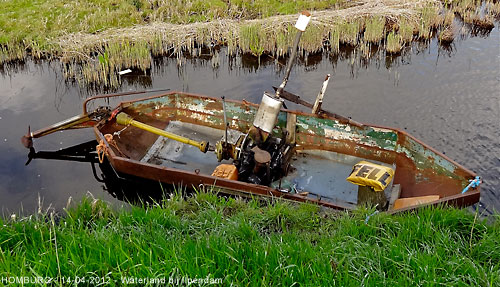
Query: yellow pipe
125,120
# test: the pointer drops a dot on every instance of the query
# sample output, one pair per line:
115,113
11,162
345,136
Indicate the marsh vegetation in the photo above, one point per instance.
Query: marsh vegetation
94,40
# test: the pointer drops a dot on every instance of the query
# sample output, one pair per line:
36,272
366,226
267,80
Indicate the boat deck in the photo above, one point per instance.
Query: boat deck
182,156
324,173
320,173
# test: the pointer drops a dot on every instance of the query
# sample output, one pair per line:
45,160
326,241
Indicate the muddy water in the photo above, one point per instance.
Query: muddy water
448,99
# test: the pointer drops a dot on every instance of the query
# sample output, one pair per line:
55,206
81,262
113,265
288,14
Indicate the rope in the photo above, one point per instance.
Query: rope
102,148
473,183
368,216
119,132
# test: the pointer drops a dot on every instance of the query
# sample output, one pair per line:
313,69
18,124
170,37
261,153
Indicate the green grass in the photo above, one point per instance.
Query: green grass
250,244
374,31
406,30
393,44
430,19
252,38
42,20
349,31
39,28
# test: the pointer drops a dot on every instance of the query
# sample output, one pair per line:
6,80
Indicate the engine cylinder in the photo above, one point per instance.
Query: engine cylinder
267,115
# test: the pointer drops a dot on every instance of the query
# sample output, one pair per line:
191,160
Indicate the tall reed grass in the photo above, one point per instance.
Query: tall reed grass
394,43
375,29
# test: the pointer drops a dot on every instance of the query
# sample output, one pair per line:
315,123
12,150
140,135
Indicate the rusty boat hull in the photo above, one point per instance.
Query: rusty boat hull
326,148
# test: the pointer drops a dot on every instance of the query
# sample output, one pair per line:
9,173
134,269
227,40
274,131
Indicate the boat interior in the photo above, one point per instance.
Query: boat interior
326,151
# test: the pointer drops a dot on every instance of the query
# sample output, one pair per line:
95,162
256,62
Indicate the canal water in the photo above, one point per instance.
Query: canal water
450,99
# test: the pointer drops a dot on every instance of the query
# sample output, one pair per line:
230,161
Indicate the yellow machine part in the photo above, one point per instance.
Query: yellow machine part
227,171
377,176
125,120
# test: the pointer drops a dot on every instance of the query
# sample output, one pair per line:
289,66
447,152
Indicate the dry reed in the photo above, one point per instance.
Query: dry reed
493,8
446,36
481,23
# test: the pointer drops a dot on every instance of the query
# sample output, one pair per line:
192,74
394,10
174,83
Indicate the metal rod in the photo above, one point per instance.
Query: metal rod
225,118
301,25
319,99
290,63
296,99
62,125
76,122
125,120
79,121
118,95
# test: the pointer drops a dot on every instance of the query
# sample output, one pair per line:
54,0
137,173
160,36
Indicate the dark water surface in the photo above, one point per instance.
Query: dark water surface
450,100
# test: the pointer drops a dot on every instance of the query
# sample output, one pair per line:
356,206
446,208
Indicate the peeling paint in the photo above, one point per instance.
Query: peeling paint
338,135
418,164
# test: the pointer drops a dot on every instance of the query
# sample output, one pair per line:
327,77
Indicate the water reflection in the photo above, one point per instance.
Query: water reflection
121,187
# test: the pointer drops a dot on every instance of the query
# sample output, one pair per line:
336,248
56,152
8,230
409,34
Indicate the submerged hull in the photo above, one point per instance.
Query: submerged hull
326,149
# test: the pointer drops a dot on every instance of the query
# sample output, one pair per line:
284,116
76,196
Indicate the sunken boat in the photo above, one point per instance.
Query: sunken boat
266,150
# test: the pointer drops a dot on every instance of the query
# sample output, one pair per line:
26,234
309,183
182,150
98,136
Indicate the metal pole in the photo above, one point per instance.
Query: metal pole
319,99
125,120
301,25
290,63
225,118
128,93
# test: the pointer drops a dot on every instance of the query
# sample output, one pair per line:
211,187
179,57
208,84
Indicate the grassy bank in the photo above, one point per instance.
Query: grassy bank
37,25
247,243
96,39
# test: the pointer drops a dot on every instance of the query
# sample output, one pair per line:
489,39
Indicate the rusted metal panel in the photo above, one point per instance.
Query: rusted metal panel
194,109
425,158
324,128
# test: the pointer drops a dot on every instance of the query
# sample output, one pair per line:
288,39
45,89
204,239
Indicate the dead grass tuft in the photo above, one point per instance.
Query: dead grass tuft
446,36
